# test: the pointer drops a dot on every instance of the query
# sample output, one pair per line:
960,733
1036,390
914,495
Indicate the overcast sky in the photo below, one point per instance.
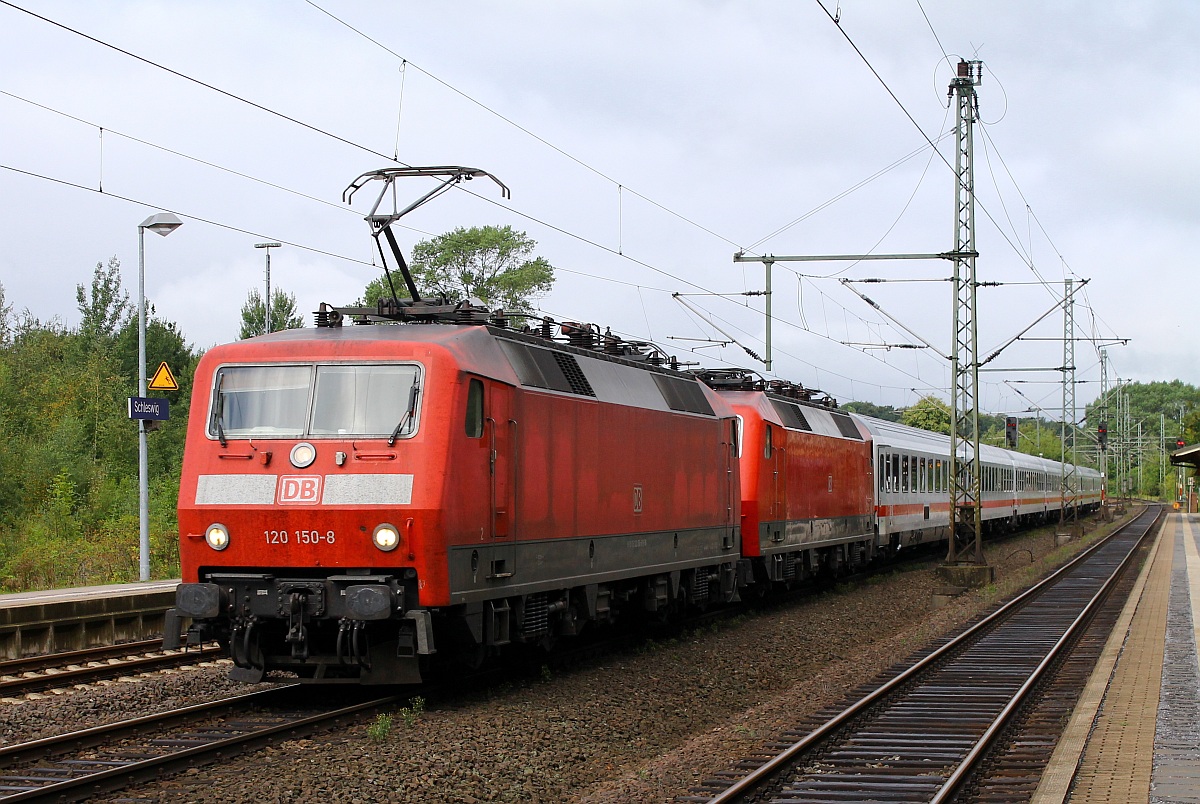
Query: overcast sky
644,143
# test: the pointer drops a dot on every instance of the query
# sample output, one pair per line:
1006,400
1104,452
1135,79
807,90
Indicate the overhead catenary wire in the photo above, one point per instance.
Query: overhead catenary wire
1025,256
182,214
848,191
338,138
189,157
324,252
197,81
643,263
601,174
979,204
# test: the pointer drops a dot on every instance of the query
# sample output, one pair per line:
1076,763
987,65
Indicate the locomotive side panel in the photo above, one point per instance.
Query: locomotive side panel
605,492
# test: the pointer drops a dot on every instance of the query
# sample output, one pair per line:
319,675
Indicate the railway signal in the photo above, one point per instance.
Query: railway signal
1010,431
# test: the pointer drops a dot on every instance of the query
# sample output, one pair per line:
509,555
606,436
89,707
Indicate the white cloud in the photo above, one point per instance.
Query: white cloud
738,117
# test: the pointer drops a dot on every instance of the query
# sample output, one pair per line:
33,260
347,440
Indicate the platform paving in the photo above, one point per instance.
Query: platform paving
1135,733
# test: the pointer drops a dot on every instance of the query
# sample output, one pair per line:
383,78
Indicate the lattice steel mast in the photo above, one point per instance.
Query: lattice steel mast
1103,452
1068,464
966,542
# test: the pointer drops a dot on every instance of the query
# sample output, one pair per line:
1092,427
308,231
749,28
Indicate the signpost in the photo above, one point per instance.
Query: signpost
163,379
141,407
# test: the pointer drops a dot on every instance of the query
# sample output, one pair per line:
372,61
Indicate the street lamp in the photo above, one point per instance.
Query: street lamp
267,300
162,223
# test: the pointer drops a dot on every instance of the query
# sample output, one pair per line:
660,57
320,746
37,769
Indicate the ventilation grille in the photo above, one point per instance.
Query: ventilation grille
543,368
845,426
570,369
791,415
683,395
789,566
536,619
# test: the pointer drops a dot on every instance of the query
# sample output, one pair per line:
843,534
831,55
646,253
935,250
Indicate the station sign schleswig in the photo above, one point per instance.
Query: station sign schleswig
141,407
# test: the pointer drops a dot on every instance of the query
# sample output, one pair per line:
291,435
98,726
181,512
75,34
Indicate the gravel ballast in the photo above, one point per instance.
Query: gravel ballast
641,726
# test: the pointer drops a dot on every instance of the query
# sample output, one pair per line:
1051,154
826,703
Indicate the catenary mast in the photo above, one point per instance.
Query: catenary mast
966,542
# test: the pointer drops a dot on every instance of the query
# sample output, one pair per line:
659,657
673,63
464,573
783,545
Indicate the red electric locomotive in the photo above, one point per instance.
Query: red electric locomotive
807,505
356,498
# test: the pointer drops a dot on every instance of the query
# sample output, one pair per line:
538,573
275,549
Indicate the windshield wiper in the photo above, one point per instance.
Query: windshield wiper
408,414
220,410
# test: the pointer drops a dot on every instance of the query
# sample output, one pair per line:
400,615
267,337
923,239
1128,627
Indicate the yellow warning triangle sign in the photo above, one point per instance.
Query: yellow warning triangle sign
163,379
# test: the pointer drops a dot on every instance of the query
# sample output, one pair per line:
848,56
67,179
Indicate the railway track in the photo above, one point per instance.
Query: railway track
923,734
39,673
83,764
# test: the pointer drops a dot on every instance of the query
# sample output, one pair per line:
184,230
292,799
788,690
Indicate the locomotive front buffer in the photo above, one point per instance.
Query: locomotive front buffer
343,626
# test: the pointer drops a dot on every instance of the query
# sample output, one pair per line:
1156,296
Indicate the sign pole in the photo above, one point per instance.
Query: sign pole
143,458
162,223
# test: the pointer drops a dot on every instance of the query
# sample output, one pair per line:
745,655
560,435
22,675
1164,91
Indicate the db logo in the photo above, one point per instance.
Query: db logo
299,490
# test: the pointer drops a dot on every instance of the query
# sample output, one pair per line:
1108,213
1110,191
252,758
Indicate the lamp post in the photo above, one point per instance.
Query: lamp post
267,299
162,223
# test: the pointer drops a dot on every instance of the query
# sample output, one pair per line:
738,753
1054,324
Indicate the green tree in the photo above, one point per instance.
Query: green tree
283,313
491,263
885,412
106,309
5,319
68,460
930,413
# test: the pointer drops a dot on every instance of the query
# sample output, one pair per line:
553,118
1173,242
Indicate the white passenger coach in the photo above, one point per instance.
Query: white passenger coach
912,485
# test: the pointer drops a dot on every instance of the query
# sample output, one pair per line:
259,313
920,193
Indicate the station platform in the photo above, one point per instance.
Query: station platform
1135,733
33,623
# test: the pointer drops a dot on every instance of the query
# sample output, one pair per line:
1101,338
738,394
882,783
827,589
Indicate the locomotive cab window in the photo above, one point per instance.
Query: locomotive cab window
261,401
313,401
475,409
365,400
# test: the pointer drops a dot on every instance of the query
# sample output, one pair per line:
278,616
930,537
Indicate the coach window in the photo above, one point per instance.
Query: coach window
883,472
475,409
904,474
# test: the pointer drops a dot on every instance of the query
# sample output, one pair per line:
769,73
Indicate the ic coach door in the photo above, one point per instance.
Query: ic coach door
502,435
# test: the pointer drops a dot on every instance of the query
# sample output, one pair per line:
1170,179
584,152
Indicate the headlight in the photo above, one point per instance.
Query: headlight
217,536
386,537
303,454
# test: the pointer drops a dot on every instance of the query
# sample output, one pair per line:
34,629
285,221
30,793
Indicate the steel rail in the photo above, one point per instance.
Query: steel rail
89,737
968,763
781,761
43,660
50,674
119,776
